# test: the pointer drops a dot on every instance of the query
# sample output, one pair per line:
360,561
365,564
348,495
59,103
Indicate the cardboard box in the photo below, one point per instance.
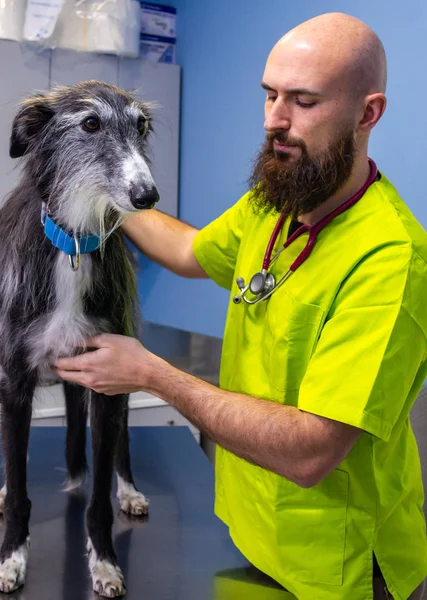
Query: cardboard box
158,49
158,20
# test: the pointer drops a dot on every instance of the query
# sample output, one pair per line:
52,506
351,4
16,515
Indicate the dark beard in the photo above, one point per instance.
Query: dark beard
296,187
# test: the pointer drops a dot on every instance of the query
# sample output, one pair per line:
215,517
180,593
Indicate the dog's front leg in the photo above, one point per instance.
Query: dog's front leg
15,428
105,420
3,492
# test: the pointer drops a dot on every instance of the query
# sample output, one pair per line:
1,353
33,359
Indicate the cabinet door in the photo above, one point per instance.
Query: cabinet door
22,71
159,83
70,67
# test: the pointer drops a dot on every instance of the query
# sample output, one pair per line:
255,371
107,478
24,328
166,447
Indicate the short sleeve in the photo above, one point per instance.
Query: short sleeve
372,347
216,246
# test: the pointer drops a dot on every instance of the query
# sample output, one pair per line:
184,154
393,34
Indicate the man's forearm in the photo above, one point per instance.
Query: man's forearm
298,445
166,240
276,437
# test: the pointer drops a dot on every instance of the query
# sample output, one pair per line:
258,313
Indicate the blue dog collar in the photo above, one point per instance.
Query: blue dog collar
65,242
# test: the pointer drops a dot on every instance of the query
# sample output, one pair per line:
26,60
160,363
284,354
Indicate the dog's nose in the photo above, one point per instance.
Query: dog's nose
143,199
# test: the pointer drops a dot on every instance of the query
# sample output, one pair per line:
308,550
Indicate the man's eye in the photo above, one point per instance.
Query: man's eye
271,98
304,104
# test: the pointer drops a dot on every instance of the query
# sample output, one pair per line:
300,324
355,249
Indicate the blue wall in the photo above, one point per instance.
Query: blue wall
222,47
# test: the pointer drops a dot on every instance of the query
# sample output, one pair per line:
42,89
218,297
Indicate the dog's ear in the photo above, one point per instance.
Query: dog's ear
30,120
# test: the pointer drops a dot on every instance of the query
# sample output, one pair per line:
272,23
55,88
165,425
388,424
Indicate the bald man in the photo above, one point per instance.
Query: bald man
317,470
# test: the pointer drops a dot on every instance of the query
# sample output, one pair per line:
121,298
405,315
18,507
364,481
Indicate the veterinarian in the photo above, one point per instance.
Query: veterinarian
317,474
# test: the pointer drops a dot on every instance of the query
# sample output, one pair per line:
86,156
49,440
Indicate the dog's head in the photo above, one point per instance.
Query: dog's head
86,147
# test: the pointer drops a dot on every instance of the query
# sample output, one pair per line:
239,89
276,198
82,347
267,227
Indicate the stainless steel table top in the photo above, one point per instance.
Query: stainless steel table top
193,353
181,551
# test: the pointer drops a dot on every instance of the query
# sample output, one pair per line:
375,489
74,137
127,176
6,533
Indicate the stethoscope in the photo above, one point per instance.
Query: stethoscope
263,283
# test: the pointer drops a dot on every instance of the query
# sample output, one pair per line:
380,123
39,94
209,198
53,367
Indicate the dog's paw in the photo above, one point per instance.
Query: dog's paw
107,579
2,499
72,485
133,504
131,501
13,569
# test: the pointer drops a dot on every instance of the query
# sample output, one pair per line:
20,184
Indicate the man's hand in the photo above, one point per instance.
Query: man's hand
118,365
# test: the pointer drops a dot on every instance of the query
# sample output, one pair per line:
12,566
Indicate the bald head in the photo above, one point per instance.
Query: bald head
342,48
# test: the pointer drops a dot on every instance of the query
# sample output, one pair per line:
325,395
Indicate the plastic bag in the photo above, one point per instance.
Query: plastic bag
108,26
12,15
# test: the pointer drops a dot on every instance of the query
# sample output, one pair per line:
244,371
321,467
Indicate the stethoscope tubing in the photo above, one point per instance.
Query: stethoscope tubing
313,231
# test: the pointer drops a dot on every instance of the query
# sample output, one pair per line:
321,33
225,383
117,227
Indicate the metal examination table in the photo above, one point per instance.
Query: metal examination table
181,551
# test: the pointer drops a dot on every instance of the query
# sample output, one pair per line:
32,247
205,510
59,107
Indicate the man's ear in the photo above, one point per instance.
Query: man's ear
30,120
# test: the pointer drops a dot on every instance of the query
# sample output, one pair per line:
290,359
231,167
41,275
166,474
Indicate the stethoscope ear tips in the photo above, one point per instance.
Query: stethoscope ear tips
240,282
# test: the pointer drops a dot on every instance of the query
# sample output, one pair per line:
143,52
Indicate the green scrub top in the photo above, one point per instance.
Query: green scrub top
344,338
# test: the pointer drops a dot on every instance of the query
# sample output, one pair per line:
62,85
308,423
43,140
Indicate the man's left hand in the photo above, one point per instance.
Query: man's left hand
118,365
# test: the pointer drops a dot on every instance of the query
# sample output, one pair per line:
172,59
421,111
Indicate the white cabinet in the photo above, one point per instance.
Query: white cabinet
70,67
159,84
22,71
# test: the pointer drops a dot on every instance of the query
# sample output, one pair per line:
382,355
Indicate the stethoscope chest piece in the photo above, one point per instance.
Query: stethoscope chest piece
261,282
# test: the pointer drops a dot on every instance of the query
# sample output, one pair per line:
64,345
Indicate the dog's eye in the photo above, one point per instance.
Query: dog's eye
142,125
91,124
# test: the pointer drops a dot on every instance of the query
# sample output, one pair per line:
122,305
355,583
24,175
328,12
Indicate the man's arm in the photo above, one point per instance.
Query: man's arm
297,445
165,240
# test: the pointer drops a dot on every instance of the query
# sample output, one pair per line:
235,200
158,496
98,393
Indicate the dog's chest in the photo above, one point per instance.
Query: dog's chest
66,327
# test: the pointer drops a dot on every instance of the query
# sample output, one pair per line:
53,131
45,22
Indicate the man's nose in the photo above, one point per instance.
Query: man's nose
277,116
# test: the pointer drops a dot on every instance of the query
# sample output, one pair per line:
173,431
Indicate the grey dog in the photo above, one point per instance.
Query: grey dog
65,275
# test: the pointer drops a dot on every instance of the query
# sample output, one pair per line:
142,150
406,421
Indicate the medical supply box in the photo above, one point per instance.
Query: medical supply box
157,49
158,20
158,33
